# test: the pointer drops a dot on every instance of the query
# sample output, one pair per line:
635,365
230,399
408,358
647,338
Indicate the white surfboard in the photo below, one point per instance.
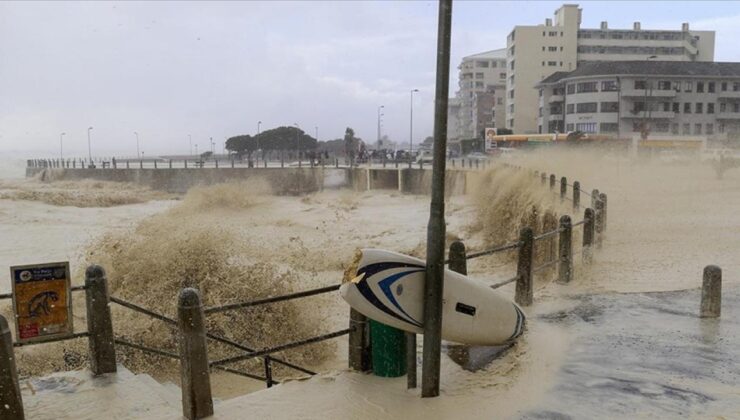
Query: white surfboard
389,288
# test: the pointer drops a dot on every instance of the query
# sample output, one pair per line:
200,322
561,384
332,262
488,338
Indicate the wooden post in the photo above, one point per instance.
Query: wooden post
602,197
458,262
599,227
594,198
170,163
552,181
565,265
11,403
99,322
588,235
359,345
563,188
197,402
155,164
524,293
186,164
127,165
711,292
576,196
543,178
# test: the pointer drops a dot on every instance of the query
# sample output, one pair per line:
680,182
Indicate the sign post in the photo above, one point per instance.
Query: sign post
42,301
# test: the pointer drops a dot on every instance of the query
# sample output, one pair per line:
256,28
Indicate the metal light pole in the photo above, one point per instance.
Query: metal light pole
61,146
196,149
379,115
89,148
213,147
190,137
411,123
258,138
298,143
137,144
434,281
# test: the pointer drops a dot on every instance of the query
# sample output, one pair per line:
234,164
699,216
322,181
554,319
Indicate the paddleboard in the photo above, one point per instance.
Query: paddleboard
389,288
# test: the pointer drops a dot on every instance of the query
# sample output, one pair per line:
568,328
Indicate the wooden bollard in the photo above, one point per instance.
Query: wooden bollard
604,206
11,402
197,402
599,226
588,235
524,292
594,198
359,343
536,174
563,188
543,178
576,195
552,181
565,244
711,292
99,322
457,256
169,163
186,164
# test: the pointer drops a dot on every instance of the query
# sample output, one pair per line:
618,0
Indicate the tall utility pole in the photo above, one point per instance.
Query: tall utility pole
89,147
213,146
190,138
434,282
379,115
61,146
411,124
138,155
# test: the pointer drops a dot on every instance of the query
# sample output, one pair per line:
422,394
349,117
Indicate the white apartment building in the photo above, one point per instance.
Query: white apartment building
479,101
617,98
535,52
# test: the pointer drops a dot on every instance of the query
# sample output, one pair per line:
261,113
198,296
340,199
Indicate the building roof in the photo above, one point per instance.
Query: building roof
645,67
493,54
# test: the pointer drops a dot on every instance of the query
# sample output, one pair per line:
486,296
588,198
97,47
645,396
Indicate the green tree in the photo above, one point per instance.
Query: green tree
285,138
241,145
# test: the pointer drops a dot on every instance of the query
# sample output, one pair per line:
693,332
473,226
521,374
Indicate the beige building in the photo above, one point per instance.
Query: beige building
480,99
535,52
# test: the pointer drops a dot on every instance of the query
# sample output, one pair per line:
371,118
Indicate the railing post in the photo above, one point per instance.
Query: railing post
170,163
576,195
359,345
155,164
711,292
268,371
186,164
216,160
599,226
197,402
565,265
99,322
563,188
457,257
524,292
127,165
602,197
594,198
11,402
588,235
552,181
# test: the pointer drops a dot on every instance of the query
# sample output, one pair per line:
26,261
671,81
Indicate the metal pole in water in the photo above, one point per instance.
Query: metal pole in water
711,292
434,284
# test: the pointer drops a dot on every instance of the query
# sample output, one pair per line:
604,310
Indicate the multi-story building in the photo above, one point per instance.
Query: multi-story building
481,93
669,98
535,52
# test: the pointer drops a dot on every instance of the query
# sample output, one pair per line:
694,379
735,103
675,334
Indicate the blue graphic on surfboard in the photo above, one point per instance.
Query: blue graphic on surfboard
389,288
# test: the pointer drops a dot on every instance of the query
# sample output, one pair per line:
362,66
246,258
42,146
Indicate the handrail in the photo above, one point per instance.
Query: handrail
144,311
501,248
283,347
504,283
145,348
582,222
53,340
245,374
242,305
545,265
547,234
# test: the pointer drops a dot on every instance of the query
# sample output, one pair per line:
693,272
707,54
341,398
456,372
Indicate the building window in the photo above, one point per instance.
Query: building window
609,86
561,48
586,107
478,75
502,76
697,129
586,87
569,109
674,128
552,63
636,126
541,90
735,87
543,64
512,49
676,107
722,107
479,84
610,107
736,107
540,113
721,128
640,84
699,109
699,87
686,129
561,64
511,123
710,108
710,87
687,108
569,127
586,127
666,107
724,86
512,64
551,33
664,85
688,87
608,127
710,129
571,89
481,64
499,101
494,64
511,94
662,126
539,129
552,48
677,86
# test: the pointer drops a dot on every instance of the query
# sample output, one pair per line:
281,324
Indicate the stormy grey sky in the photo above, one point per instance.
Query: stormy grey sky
210,69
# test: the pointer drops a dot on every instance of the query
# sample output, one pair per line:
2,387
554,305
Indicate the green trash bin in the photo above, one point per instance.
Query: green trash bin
388,350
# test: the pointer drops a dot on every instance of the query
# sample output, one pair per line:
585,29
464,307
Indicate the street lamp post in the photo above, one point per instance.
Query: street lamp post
190,139
411,125
259,123
298,143
137,144
61,146
89,147
379,115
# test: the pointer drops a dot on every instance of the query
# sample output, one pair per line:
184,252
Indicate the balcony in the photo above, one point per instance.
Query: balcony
555,117
729,94
654,93
555,98
651,115
727,115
